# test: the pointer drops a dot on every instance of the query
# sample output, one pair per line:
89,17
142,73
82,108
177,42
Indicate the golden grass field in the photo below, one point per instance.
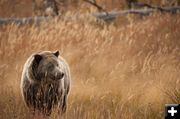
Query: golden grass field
126,70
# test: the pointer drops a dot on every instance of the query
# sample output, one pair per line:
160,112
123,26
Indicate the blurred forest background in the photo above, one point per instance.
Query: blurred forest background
23,8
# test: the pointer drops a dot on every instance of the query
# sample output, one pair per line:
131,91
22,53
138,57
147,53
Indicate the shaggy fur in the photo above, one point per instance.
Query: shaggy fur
45,82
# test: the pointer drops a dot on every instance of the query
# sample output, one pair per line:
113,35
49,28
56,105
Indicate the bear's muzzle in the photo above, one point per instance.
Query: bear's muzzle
59,75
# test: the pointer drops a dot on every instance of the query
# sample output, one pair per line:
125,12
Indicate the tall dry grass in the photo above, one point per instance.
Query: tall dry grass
128,71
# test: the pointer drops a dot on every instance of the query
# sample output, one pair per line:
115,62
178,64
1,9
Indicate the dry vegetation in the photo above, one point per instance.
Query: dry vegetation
126,71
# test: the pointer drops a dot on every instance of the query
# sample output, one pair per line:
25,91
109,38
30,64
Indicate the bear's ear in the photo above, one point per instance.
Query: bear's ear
37,58
56,53
35,64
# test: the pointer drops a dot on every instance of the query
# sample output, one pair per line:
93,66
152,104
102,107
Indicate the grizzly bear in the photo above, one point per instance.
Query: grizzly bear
45,82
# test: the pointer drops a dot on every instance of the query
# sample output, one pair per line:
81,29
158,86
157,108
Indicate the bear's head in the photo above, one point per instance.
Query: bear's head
47,67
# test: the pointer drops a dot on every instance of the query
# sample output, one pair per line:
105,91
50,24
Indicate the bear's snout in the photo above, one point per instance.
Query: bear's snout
59,75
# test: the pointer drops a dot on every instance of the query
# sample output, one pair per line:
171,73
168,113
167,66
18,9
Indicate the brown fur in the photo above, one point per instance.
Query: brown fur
45,82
